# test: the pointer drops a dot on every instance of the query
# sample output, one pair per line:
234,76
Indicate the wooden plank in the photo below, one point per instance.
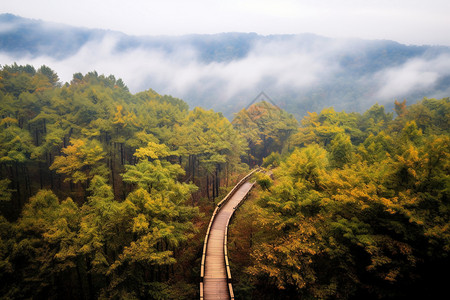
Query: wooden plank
215,279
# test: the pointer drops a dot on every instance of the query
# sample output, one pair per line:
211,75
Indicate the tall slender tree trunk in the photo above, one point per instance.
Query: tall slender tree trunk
17,180
227,173
207,187
113,176
80,282
193,168
217,183
212,186
41,175
36,135
89,277
122,154
26,176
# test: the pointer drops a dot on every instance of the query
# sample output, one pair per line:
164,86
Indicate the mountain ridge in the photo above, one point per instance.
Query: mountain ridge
83,34
305,72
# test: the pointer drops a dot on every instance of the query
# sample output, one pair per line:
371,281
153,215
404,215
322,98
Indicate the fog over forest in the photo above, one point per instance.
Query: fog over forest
300,72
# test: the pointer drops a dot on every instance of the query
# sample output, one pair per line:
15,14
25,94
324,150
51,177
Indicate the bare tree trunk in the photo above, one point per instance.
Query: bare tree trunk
217,180
89,277
41,175
17,179
207,187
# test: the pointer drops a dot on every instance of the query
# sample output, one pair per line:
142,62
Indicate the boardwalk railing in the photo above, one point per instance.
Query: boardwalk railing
205,244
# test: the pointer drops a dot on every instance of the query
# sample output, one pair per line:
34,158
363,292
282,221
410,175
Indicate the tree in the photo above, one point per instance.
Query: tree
5,192
157,176
375,119
322,128
14,154
81,160
156,216
50,74
43,254
7,236
16,144
400,108
157,226
213,147
266,128
377,148
341,150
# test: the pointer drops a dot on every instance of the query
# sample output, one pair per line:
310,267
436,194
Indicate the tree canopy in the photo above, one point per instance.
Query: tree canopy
359,210
108,194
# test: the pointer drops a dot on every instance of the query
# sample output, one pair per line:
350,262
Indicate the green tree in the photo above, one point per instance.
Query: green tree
5,192
341,149
15,153
267,129
50,74
213,147
43,255
81,160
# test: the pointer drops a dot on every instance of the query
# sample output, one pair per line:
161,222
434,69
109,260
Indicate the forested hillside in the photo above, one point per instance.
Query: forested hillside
359,210
107,194
101,189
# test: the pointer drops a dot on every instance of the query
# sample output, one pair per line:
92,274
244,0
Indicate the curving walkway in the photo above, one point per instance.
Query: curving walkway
215,280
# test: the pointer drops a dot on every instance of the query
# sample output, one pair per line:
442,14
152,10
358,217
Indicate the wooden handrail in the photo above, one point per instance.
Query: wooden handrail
205,244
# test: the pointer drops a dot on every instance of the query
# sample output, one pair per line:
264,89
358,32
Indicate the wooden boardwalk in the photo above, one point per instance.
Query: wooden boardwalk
215,280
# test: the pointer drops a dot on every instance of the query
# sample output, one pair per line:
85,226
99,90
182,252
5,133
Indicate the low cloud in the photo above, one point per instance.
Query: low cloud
418,74
181,72
274,67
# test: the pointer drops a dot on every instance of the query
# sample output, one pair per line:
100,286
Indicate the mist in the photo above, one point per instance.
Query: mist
417,74
283,68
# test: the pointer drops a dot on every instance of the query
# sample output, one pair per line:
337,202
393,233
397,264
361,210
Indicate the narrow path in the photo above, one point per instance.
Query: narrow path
215,283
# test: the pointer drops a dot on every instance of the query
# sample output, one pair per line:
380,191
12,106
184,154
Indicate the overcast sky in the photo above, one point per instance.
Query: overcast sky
406,21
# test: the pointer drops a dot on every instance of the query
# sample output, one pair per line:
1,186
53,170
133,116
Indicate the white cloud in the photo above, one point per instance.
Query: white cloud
278,68
414,75
180,72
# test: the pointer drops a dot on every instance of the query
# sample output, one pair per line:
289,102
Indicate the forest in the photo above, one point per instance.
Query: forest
107,194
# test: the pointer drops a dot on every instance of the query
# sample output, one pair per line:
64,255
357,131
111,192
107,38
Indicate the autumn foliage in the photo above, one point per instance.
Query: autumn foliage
360,210
101,190
106,194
